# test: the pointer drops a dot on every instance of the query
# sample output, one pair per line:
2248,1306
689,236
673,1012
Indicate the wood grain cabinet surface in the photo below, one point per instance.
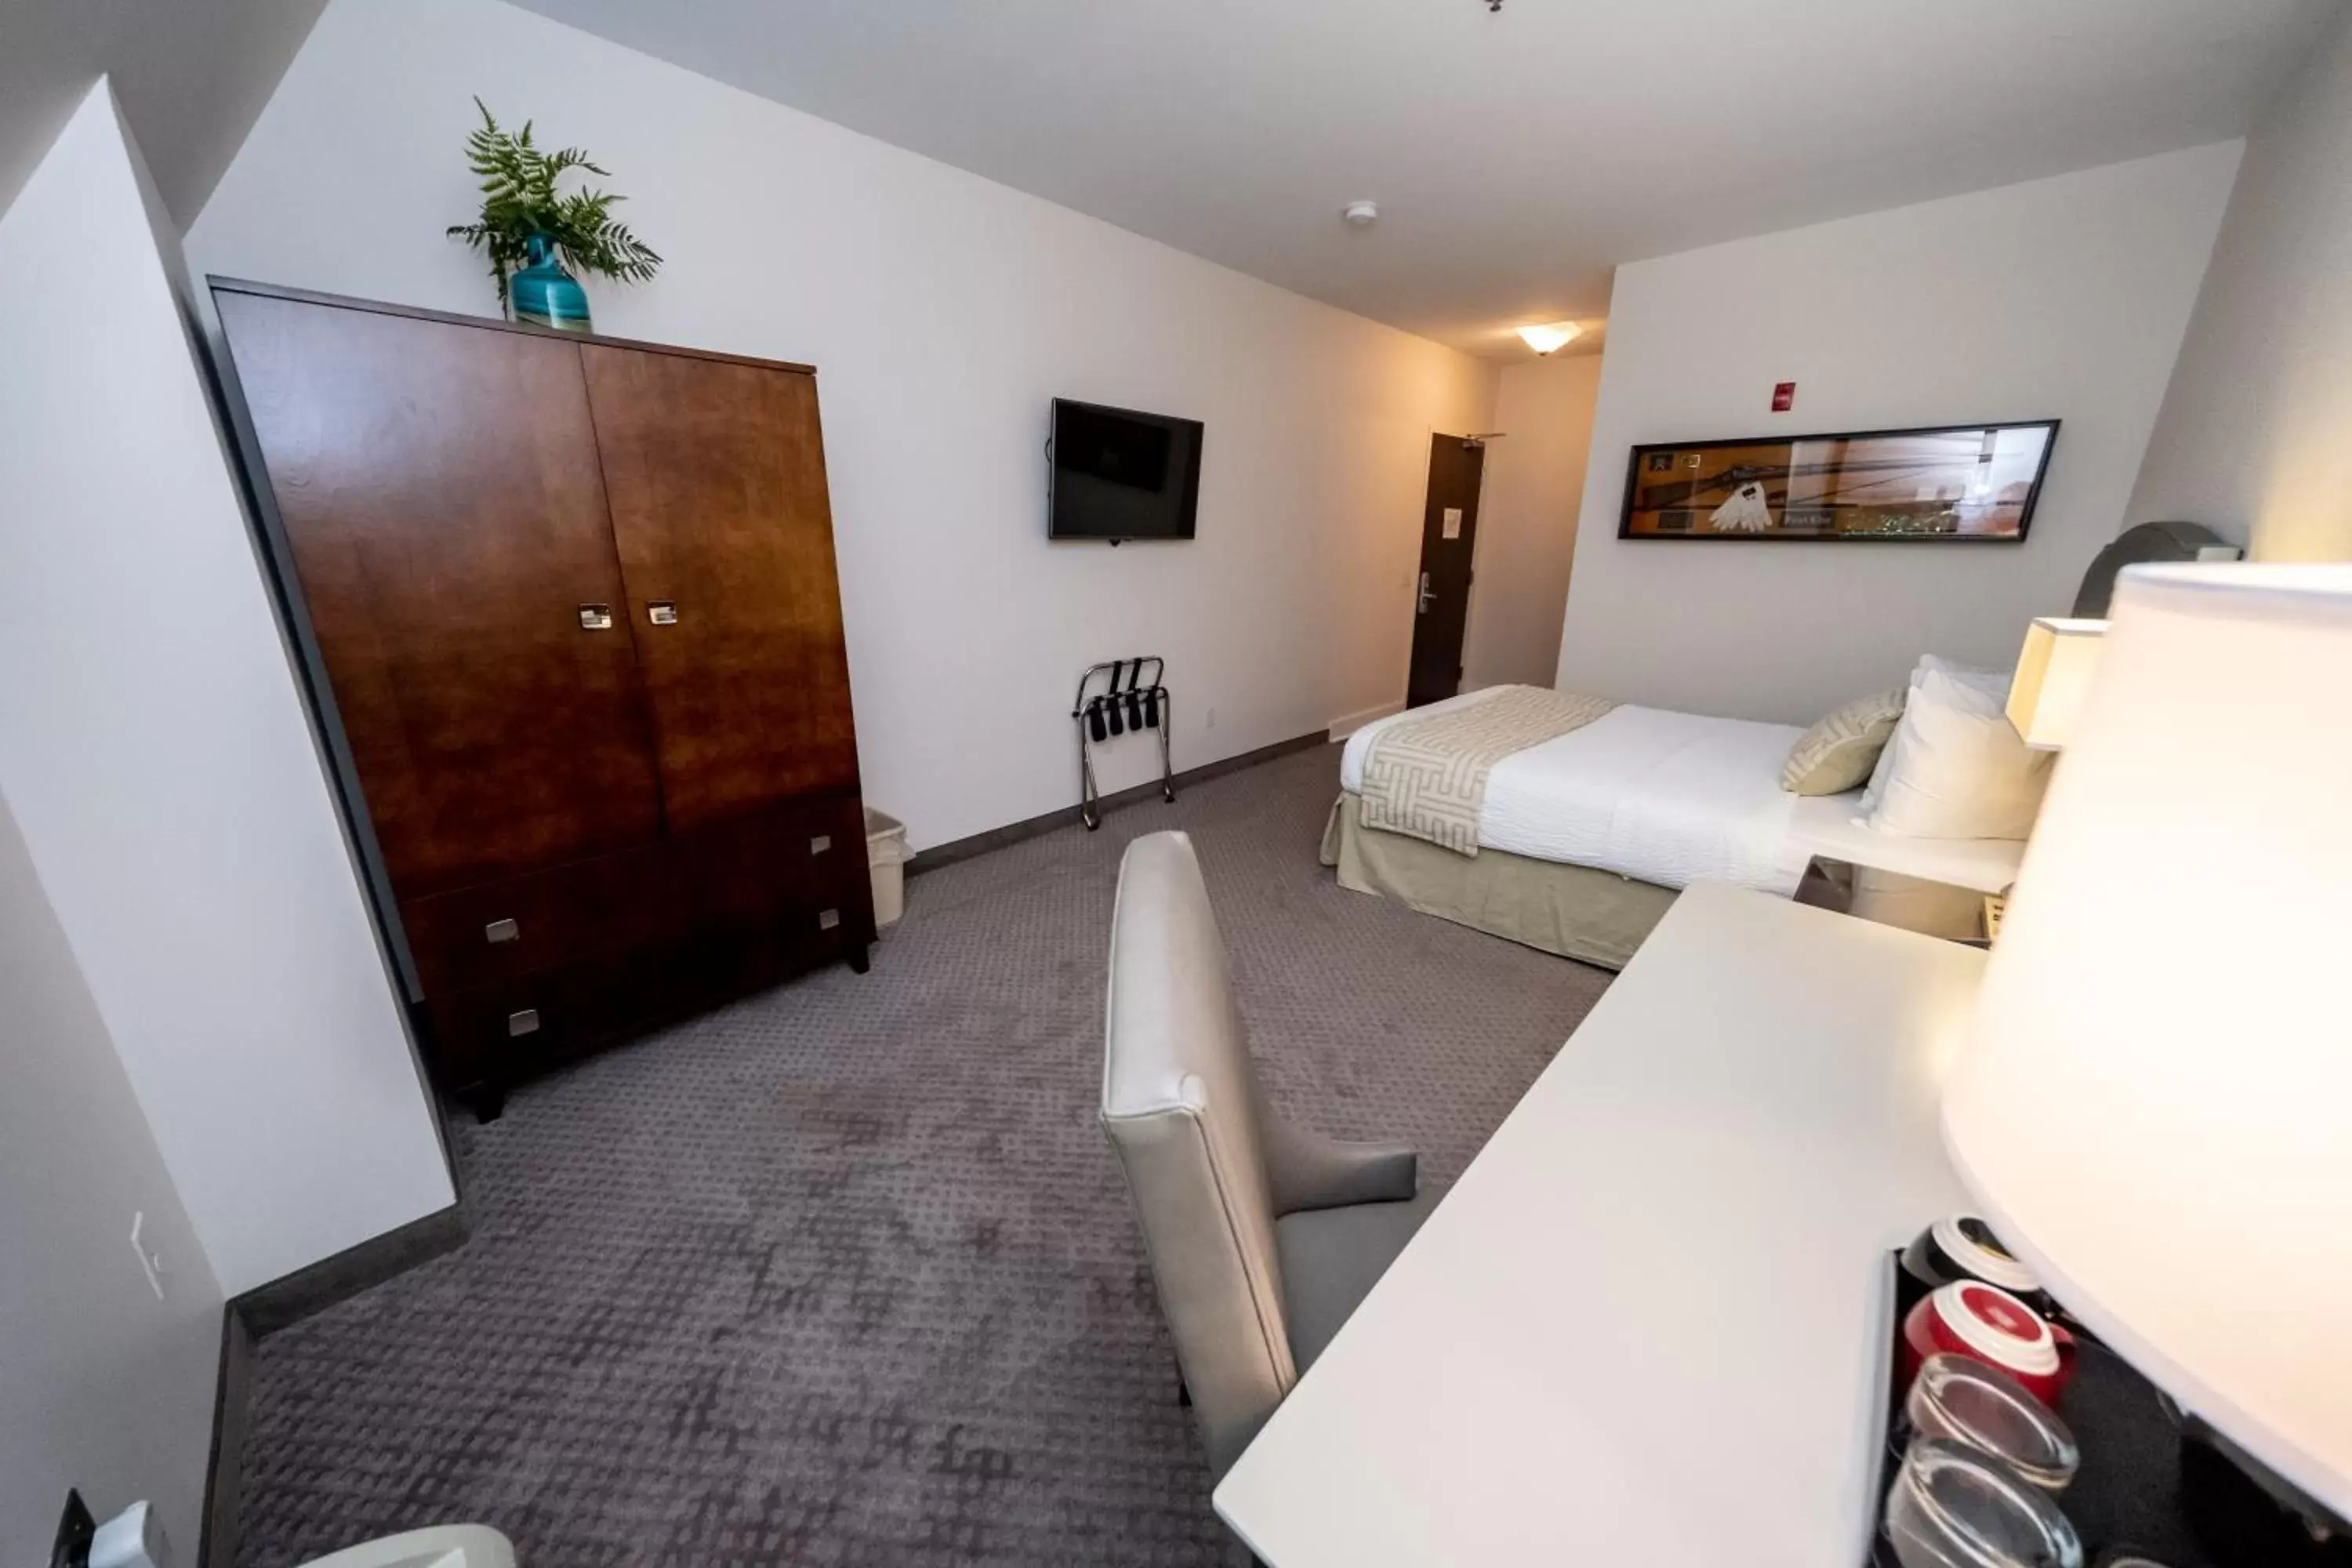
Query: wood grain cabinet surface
571,621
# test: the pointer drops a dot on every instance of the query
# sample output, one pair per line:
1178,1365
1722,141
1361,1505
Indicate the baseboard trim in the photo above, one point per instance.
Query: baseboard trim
947,854
290,1297
224,1469
266,1308
1341,727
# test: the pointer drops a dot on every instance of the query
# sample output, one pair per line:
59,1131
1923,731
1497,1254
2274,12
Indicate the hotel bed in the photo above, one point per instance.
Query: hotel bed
1585,838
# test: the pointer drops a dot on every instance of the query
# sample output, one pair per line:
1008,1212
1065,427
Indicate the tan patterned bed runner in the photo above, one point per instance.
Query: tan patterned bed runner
1427,777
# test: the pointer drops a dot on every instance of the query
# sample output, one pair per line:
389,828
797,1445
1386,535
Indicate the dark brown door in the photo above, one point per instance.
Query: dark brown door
440,494
1449,528
715,472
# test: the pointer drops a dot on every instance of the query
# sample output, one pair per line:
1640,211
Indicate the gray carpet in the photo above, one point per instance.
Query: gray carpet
846,1273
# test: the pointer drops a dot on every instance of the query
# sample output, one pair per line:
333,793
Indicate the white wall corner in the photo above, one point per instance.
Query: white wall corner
2251,434
1348,724
159,758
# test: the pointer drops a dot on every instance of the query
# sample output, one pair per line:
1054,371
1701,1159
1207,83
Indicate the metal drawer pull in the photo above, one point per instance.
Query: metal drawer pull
829,919
523,1023
596,617
662,612
501,930
821,843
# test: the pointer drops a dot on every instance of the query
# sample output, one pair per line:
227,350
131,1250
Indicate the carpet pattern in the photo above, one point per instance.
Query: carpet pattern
846,1273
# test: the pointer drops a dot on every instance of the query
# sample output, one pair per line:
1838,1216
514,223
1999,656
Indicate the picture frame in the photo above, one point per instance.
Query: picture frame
1939,484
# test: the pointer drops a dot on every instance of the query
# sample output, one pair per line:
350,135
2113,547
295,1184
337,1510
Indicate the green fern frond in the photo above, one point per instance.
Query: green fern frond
519,201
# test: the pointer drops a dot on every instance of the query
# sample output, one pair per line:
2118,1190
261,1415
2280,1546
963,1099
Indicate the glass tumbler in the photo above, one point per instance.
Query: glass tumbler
1956,1507
1965,1400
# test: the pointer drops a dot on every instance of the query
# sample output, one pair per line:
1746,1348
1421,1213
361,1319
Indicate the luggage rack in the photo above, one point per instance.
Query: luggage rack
1114,698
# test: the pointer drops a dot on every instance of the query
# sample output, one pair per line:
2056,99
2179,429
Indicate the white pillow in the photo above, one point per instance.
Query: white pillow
1956,768
1878,772
1994,680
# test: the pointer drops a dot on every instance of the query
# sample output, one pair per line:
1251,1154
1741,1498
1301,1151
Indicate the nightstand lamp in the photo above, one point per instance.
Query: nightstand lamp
2054,671
2164,1131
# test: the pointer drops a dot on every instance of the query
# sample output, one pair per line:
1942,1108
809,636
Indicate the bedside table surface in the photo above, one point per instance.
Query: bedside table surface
1942,909
1824,825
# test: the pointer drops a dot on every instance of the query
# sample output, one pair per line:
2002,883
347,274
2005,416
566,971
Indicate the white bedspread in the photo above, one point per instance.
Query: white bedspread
1669,799
1676,799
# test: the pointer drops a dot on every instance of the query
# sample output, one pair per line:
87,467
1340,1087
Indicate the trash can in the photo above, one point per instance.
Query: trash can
887,855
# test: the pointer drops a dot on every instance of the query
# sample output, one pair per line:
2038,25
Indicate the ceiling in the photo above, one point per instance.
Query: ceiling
1516,156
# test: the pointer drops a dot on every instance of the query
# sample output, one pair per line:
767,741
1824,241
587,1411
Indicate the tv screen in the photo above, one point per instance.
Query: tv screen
1118,474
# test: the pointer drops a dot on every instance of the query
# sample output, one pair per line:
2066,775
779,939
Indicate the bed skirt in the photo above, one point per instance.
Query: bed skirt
1598,917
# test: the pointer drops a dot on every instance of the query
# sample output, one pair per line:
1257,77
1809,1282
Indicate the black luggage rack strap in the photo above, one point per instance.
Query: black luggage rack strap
1113,699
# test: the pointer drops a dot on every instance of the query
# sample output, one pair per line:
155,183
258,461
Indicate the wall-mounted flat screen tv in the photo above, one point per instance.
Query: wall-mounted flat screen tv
1119,475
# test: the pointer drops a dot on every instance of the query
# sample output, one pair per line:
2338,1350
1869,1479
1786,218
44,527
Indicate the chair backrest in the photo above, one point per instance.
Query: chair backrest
1179,1102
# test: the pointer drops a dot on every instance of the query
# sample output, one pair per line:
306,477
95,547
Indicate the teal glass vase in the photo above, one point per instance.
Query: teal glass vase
545,294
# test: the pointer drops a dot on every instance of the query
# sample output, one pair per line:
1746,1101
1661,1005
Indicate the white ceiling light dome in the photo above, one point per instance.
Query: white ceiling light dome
1360,215
1551,336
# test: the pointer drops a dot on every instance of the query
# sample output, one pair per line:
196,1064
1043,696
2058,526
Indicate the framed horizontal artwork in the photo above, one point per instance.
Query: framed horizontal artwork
1960,484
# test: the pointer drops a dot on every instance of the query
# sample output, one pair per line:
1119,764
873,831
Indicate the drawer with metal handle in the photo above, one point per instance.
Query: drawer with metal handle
509,1030
781,867
544,920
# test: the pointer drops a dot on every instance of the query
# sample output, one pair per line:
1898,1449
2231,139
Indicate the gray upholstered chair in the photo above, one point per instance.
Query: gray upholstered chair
1263,1238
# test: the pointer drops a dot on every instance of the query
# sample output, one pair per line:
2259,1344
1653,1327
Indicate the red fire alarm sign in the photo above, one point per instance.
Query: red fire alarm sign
1784,396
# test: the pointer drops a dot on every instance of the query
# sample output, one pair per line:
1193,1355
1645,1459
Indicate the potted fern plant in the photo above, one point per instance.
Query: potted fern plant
534,235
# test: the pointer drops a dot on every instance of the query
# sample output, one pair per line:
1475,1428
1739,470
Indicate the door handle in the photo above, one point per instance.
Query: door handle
662,612
1422,606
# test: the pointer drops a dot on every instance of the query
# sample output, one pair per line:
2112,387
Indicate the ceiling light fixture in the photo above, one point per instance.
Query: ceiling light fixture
1546,339
1360,215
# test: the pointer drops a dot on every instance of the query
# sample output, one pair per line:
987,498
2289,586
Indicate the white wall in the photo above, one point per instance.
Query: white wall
1527,519
155,751
2064,298
943,314
105,1388
2255,427
191,74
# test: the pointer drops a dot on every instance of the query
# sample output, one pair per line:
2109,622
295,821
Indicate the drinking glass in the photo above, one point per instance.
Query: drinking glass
1969,1402
1957,1507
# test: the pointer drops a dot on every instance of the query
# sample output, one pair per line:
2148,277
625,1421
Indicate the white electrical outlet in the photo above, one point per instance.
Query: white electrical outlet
150,1263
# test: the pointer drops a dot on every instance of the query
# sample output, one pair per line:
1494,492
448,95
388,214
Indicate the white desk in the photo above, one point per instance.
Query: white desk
1551,1373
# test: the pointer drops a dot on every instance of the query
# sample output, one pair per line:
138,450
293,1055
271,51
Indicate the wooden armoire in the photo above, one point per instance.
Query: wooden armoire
568,610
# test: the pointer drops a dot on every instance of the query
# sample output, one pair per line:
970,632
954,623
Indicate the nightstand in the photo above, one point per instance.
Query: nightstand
1890,898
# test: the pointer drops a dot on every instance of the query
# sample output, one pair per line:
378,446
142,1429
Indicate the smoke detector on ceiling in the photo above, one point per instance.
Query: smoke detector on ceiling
1360,215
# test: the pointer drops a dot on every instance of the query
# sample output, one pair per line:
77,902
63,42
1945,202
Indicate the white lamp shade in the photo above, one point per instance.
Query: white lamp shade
2155,1106
2053,672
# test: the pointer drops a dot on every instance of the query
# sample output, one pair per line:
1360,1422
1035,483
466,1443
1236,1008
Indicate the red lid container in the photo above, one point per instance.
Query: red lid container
1973,1319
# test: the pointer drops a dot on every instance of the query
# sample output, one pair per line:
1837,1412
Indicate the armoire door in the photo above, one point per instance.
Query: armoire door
440,494
714,471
